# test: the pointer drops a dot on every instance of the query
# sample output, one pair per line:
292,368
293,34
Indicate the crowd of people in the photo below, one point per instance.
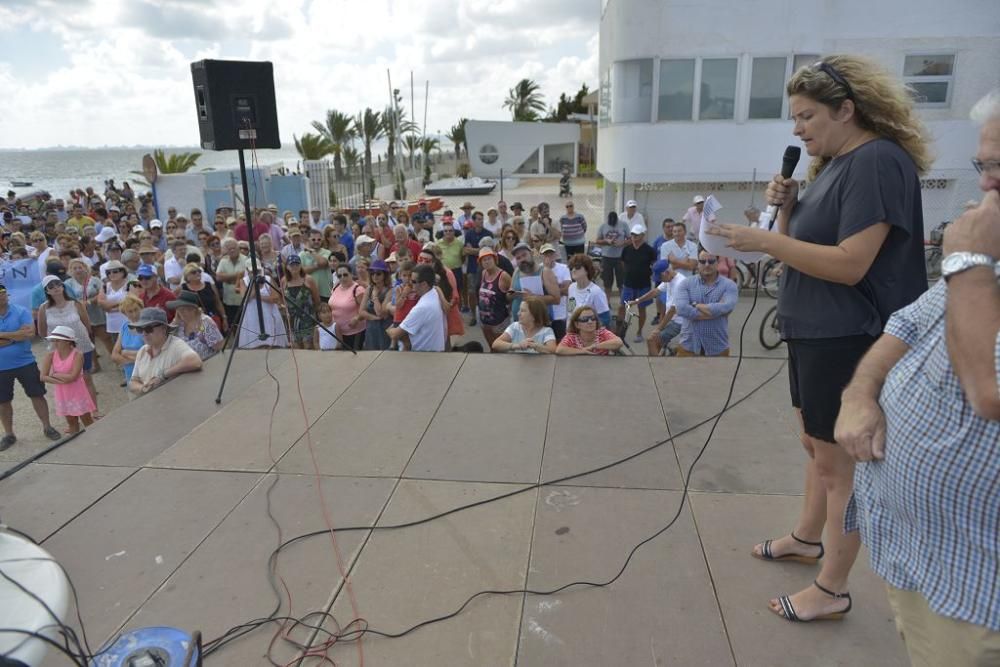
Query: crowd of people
389,280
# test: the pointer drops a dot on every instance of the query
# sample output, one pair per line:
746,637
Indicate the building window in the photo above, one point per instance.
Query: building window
929,79
632,87
529,166
676,90
718,89
767,87
488,154
604,100
555,157
798,62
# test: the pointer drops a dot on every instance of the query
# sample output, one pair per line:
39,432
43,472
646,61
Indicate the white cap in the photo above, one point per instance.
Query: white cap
630,203
138,229
155,223
364,238
105,235
698,199
638,229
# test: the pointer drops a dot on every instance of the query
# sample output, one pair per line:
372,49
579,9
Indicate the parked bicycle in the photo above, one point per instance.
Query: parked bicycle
770,335
932,252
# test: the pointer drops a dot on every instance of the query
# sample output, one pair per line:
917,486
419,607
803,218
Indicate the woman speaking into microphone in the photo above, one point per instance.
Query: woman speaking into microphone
852,246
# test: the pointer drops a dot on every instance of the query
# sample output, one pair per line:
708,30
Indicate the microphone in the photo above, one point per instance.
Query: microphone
788,163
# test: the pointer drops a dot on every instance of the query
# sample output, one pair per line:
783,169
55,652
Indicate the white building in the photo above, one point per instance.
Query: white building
522,149
693,101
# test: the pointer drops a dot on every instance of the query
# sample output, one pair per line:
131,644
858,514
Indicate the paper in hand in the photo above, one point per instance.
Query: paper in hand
716,245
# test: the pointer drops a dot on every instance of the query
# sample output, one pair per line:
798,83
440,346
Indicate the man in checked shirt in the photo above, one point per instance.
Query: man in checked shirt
923,410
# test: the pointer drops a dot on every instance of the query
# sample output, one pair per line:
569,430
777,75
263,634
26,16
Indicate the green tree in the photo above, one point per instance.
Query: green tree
370,129
394,126
524,101
456,135
568,105
312,146
351,157
411,142
339,130
175,163
427,145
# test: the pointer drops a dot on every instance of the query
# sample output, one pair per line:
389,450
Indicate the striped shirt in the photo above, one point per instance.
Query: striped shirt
574,230
710,336
930,511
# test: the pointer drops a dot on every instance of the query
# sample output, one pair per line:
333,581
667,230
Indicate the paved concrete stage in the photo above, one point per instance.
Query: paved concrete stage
159,512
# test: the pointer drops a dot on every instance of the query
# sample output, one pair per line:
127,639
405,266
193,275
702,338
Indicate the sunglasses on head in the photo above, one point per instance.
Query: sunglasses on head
707,261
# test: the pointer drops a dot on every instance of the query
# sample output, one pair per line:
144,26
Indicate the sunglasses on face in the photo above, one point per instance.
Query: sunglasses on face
147,329
53,286
342,274
586,319
132,285
707,261
121,271
143,279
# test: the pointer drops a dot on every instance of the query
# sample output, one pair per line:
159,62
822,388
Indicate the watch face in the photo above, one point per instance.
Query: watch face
952,262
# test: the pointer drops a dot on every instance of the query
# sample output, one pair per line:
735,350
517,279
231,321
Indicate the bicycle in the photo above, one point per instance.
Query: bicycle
770,334
932,252
771,273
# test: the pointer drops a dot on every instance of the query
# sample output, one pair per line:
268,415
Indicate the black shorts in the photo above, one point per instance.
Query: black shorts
28,376
818,371
612,272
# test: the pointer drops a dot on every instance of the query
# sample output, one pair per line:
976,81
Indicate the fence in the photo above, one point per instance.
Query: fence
351,191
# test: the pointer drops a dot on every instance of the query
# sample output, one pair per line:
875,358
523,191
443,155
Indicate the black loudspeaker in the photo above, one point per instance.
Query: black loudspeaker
235,104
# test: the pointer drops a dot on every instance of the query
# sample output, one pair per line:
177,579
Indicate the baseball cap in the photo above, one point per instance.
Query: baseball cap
105,235
364,238
521,246
294,259
548,247
698,199
48,280
138,229
155,223
630,203
638,229
516,206
145,271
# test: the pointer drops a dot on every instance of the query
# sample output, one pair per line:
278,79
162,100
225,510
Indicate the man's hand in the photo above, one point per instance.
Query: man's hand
976,230
860,428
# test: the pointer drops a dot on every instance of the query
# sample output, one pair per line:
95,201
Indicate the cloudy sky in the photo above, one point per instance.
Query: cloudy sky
116,72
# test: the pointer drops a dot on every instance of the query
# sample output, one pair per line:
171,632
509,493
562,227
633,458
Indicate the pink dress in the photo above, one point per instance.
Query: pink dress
73,399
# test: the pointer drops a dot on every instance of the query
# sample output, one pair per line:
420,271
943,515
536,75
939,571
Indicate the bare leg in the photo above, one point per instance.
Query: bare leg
653,343
7,417
812,517
642,320
87,420
835,471
41,407
72,424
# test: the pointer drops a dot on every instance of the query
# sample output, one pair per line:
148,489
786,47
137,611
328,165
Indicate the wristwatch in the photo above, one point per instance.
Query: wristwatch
957,262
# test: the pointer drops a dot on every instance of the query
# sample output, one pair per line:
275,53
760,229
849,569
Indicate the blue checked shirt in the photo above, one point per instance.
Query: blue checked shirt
930,511
710,336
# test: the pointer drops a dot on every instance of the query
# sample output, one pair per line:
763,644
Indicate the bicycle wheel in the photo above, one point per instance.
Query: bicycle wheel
739,276
770,336
772,278
932,260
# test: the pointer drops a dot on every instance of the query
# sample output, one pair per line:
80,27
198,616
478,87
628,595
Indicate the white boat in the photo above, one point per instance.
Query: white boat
21,184
460,186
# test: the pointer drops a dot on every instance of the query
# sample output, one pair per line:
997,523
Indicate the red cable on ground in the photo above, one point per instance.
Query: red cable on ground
316,476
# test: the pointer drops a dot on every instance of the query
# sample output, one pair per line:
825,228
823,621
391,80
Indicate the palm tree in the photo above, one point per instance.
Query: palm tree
395,125
456,135
175,163
339,129
411,142
350,159
524,101
313,146
368,125
427,145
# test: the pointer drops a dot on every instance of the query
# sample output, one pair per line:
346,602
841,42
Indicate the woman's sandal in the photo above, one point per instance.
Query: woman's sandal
765,552
788,611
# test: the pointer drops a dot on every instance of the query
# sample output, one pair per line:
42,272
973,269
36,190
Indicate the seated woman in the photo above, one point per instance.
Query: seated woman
194,327
163,356
531,333
585,335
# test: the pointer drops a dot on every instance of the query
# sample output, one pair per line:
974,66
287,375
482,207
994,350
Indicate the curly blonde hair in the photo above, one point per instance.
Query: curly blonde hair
882,104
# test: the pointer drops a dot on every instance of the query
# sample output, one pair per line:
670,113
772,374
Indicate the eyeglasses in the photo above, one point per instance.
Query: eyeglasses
986,165
829,70
586,319
707,261
148,329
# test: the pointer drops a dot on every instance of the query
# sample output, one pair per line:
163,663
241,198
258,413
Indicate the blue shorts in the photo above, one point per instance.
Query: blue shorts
88,361
631,293
670,331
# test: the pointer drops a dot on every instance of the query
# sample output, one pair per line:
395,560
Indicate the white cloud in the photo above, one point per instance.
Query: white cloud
127,79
